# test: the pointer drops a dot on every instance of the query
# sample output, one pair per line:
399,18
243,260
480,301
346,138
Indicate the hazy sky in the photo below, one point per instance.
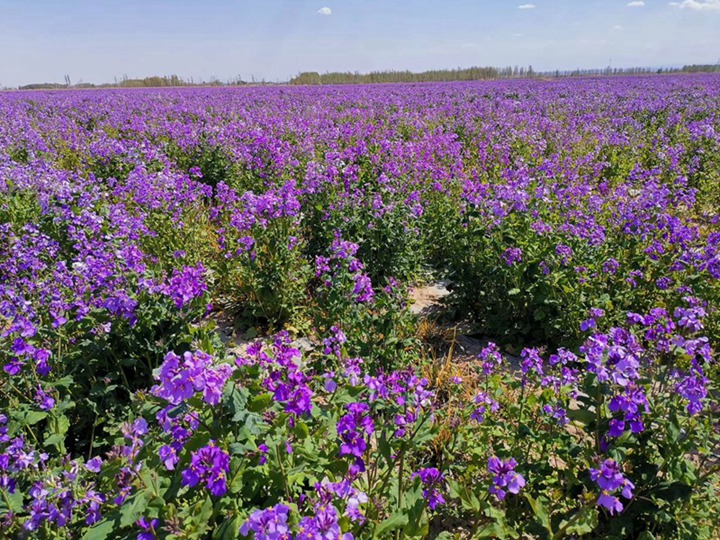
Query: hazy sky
98,40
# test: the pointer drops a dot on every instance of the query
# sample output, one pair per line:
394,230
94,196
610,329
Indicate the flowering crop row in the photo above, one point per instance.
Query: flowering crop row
577,219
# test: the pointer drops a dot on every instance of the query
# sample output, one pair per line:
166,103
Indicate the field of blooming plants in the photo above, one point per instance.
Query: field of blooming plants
577,222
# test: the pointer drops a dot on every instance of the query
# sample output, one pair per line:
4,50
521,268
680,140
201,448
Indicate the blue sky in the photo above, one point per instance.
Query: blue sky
98,40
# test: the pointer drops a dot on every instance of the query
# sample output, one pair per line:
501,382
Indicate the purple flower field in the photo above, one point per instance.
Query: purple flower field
577,222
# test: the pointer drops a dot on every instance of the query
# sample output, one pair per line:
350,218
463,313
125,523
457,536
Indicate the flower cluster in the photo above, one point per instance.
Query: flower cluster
610,479
209,465
483,402
181,377
354,428
433,485
505,477
286,377
342,259
186,285
268,524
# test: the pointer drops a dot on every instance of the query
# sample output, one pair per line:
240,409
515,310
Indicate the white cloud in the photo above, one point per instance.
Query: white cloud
526,6
698,5
325,11
636,3
617,27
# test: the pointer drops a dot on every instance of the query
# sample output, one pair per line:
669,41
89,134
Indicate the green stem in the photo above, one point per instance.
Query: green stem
282,472
387,477
398,535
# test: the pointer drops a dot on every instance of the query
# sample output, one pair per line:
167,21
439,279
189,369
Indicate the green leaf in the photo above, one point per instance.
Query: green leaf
228,530
59,424
29,418
150,479
15,501
418,525
99,531
206,511
260,402
385,450
540,512
57,441
133,509
394,522
468,499
581,415
491,530
583,522
301,429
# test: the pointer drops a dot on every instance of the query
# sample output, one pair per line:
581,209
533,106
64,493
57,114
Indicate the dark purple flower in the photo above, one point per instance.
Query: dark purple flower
209,465
504,477
433,483
180,378
185,285
44,401
268,524
512,255
94,464
531,360
149,528
609,479
564,252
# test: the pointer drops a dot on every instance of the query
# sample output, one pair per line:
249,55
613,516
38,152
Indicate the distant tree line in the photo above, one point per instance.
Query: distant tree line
467,74
156,81
484,73
392,76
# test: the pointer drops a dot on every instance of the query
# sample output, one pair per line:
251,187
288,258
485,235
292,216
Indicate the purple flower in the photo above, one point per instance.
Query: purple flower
322,526
334,343
363,290
512,255
353,429
263,449
610,266
491,358
505,477
14,366
209,465
617,428
564,252
531,361
149,528
44,401
587,324
609,479
483,401
268,524
168,456
690,318
186,285
558,413
610,502
433,482
343,490
180,378
693,388
94,464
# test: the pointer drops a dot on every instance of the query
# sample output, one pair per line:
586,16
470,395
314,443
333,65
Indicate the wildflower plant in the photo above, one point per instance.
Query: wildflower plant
576,224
